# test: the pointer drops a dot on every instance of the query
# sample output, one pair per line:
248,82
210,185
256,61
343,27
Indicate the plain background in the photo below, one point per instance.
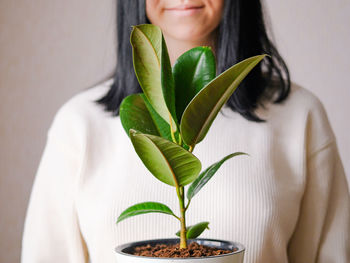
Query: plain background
50,50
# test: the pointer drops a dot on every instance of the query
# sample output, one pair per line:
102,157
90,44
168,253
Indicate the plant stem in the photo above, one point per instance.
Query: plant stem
189,201
172,129
181,196
178,218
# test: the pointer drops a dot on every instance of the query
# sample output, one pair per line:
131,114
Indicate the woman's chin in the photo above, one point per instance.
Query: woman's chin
186,34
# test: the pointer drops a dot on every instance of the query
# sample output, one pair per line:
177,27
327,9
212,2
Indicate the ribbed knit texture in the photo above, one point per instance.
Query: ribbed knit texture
288,201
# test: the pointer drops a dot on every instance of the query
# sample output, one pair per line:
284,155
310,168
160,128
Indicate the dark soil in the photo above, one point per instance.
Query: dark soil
173,251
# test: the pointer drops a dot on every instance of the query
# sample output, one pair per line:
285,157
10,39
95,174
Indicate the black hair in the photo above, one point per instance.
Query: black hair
241,34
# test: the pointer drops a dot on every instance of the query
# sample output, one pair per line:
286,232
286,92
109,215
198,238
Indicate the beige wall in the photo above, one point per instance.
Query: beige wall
314,38
49,50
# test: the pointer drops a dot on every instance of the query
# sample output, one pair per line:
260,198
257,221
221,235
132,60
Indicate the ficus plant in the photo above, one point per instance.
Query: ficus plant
173,114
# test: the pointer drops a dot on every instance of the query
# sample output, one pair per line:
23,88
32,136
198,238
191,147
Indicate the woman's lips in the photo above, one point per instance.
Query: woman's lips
185,10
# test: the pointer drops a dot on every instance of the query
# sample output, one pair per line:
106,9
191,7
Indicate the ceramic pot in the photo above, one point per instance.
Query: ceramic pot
235,257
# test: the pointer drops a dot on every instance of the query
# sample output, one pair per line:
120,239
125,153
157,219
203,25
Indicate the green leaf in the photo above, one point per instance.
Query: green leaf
148,57
163,127
203,109
195,230
135,115
167,161
206,175
167,79
144,208
192,71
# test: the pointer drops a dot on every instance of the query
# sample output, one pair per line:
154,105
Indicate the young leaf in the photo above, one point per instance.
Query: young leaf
135,115
149,57
195,230
206,175
192,71
144,208
167,161
203,109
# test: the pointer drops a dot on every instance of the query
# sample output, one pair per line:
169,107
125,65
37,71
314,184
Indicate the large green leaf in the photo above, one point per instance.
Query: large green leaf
144,208
149,57
192,71
168,84
167,161
135,115
206,175
162,126
203,109
195,230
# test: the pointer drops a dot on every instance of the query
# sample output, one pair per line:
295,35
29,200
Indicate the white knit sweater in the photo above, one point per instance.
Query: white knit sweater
287,202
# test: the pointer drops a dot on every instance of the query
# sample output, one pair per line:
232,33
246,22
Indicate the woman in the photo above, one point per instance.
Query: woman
287,202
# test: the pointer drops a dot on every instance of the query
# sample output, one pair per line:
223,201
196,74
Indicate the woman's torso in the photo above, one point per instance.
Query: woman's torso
253,199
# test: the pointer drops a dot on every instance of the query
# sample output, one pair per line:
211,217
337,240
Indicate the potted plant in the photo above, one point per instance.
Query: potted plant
165,122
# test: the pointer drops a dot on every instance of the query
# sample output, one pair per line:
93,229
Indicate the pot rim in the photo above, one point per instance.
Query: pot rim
119,249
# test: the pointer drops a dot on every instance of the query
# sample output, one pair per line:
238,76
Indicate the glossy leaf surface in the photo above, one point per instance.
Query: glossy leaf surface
167,80
144,208
163,127
195,230
192,71
147,42
167,161
203,109
135,115
207,174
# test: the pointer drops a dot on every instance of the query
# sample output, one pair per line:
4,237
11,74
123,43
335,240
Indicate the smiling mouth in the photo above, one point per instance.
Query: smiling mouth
185,9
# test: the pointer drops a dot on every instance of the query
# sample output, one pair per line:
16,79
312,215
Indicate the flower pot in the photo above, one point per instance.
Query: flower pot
123,252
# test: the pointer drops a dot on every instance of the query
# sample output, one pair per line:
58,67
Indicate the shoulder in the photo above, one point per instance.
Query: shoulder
303,110
318,128
85,101
304,99
300,102
80,111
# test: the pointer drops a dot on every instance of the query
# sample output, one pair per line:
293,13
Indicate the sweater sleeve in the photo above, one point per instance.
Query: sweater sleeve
322,233
51,232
